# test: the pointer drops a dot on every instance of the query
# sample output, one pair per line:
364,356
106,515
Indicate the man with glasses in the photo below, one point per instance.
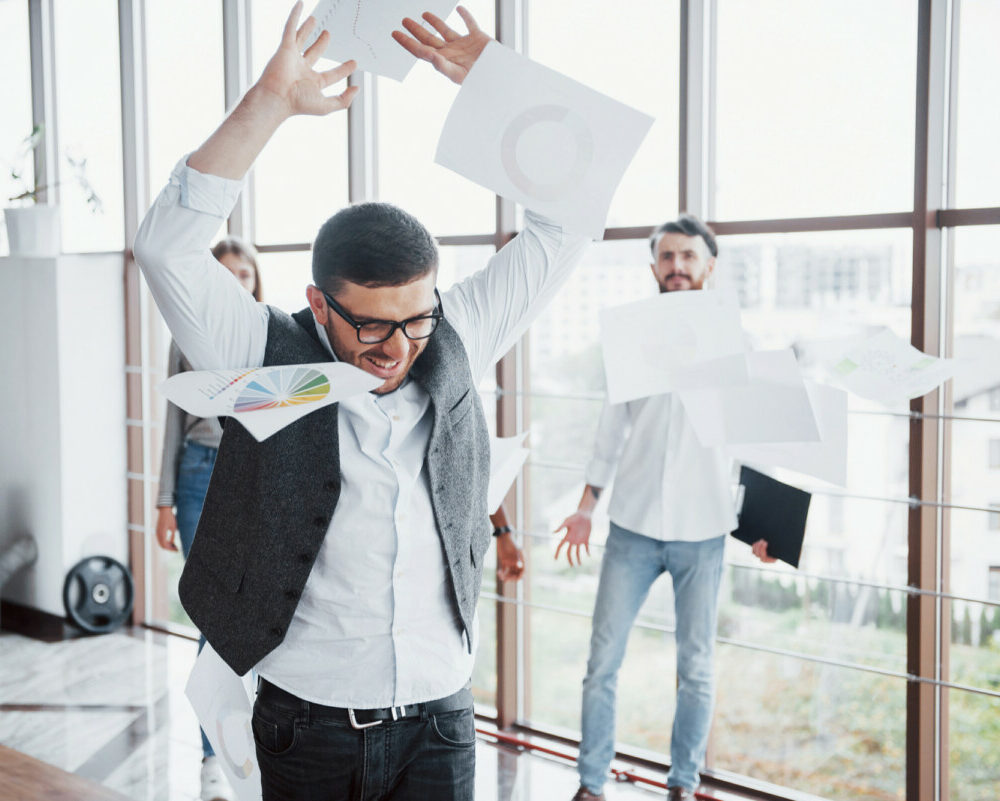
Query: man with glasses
670,512
342,557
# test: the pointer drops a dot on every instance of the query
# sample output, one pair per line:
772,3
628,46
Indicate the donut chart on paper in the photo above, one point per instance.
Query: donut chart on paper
282,386
575,128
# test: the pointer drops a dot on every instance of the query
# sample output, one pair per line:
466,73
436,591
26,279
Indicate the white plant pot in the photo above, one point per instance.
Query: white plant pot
33,230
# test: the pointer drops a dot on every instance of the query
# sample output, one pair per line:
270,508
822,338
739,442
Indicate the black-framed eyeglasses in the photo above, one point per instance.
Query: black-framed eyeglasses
372,332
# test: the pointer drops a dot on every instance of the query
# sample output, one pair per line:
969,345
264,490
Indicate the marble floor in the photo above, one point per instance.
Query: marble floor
112,709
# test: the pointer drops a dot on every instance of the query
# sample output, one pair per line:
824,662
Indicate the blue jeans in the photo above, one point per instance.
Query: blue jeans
193,473
307,753
631,564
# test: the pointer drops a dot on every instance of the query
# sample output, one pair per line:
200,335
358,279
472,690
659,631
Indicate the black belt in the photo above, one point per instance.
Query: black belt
363,718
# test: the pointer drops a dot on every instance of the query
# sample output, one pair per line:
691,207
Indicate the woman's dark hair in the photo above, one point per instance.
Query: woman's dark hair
246,252
689,225
372,244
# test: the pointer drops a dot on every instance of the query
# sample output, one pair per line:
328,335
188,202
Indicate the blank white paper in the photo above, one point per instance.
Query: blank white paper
826,459
677,340
773,406
507,457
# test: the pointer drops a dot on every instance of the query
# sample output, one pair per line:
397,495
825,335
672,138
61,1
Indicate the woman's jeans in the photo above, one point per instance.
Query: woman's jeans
632,562
193,474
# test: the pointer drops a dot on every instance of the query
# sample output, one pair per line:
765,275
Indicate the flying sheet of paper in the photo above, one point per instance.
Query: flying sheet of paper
889,370
677,340
362,30
507,457
266,399
541,139
221,700
826,459
773,406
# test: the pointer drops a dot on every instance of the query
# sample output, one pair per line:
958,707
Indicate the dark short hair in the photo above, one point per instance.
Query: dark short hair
372,244
689,225
246,252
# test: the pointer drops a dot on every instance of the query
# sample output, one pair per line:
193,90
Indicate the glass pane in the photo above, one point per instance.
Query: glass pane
186,95
827,619
975,463
15,99
800,88
643,39
455,264
90,128
410,117
300,179
810,727
977,182
284,278
556,658
974,740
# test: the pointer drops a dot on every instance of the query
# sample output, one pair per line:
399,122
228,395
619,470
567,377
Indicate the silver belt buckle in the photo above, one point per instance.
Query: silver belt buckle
356,725
402,712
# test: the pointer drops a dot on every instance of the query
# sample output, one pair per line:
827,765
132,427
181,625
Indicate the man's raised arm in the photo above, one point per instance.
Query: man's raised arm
216,323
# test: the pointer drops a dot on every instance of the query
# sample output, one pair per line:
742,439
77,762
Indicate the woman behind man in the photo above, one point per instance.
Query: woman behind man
190,445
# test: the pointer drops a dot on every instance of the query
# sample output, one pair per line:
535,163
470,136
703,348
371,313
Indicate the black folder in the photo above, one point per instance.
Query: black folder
775,512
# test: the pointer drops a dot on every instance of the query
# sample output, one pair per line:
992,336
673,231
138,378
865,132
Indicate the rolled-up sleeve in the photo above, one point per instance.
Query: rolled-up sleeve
215,321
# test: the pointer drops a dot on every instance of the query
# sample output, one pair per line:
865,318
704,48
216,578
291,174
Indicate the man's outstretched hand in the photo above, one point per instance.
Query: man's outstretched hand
290,76
451,54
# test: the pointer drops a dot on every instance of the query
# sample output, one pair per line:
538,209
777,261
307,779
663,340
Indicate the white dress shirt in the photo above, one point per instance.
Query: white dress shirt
374,626
667,486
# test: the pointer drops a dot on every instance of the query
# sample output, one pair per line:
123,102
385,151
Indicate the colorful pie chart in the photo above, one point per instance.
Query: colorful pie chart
282,386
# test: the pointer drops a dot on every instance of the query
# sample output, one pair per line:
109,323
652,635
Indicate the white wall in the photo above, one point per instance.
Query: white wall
62,416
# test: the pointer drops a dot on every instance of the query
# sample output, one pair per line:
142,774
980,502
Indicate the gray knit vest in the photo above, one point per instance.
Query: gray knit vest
269,504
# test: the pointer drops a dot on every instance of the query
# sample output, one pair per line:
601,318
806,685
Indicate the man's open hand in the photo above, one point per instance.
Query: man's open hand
577,527
290,76
451,54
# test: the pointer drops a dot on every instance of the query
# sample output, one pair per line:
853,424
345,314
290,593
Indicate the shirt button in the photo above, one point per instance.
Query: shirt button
395,418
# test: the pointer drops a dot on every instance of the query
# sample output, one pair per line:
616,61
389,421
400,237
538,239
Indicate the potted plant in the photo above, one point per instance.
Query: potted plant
33,228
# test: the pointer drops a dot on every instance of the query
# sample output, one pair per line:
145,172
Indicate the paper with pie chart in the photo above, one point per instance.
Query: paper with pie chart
362,30
674,341
266,399
541,139
221,700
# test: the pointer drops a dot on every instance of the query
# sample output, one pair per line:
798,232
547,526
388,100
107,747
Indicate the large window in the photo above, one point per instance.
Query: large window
837,680
301,177
15,99
89,125
814,108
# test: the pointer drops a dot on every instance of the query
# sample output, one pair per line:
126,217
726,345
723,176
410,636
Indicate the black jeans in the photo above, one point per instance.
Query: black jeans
307,754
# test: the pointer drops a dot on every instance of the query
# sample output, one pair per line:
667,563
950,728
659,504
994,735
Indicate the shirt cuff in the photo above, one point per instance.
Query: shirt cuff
599,472
209,194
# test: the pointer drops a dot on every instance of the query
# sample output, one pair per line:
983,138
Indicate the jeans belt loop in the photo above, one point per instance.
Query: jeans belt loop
356,725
